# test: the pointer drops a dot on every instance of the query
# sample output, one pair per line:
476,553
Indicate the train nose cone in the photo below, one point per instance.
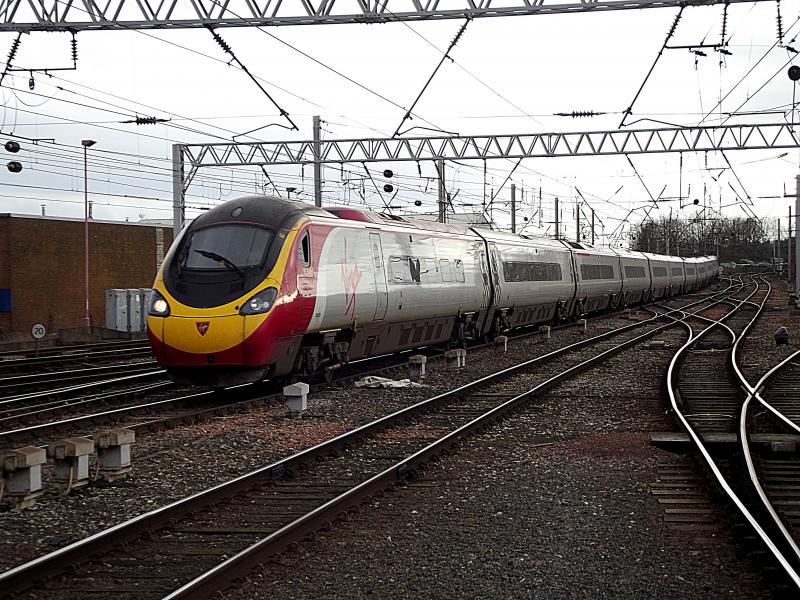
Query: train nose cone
212,340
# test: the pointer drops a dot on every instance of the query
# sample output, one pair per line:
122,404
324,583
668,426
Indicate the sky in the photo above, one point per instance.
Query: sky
508,75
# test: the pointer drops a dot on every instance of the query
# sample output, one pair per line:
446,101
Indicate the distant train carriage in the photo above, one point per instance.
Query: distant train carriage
263,287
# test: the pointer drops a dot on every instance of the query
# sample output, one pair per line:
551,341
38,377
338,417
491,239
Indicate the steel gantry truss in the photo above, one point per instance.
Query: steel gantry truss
77,15
189,158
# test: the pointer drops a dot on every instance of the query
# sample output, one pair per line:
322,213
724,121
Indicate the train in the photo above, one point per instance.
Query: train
264,288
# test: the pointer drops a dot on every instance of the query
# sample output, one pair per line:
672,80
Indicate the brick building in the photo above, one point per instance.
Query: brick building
41,267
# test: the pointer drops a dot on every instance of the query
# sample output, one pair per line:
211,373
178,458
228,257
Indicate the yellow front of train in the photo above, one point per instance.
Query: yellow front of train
219,315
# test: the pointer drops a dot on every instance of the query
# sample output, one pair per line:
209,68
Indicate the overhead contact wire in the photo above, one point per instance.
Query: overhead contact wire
445,56
229,50
628,111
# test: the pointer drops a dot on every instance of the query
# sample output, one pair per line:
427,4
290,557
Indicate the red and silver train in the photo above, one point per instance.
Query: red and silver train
263,287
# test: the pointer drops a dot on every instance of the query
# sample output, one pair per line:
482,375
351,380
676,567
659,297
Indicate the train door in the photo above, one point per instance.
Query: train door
487,290
496,275
381,293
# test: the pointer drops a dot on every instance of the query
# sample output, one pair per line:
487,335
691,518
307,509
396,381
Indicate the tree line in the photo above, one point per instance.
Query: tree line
731,239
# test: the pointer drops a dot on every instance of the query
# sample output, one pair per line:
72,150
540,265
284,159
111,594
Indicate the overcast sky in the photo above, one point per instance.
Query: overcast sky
509,75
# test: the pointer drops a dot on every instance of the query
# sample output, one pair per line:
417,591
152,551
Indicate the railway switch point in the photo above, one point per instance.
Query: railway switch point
114,453
502,340
22,476
416,367
781,336
296,398
545,330
71,462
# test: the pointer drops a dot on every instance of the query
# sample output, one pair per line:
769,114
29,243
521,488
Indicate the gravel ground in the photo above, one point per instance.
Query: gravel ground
759,351
171,465
551,503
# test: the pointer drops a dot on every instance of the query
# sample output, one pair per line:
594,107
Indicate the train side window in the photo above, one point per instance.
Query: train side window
304,250
447,273
459,265
413,267
428,270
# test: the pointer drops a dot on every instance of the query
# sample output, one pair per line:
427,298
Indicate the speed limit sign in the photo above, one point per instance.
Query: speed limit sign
38,331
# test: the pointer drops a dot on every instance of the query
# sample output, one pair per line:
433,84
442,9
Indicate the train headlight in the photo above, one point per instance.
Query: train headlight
159,307
260,302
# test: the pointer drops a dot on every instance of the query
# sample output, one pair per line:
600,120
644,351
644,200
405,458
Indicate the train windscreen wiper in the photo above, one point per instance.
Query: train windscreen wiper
221,259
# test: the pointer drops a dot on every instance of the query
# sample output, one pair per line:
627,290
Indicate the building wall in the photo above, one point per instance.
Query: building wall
42,262
5,274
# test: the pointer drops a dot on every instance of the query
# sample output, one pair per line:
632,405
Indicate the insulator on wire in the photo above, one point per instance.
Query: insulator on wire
220,41
74,49
576,114
13,51
145,120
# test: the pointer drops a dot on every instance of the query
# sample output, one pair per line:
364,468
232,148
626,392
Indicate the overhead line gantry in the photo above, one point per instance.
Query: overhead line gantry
187,159
81,15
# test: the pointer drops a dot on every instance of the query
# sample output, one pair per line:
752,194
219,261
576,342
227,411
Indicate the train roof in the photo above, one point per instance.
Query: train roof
367,216
513,238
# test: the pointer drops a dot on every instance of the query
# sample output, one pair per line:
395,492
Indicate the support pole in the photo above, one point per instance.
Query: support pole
789,248
442,195
669,232
87,315
178,196
513,208
592,227
558,233
317,163
577,221
796,245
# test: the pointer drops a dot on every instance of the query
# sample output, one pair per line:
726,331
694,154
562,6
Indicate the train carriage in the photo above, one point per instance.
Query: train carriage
599,280
535,280
636,281
692,281
677,276
262,287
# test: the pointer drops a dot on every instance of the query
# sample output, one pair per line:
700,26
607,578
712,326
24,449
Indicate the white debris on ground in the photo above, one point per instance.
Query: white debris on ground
373,381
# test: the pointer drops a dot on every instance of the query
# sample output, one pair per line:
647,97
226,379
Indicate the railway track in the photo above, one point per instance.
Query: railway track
712,398
13,364
216,535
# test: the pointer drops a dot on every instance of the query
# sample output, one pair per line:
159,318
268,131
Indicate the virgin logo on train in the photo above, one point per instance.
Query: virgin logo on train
202,326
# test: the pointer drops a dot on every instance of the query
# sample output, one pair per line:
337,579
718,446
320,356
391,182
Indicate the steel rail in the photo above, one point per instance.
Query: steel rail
47,351
76,421
671,375
21,576
65,358
74,388
219,577
59,405
744,439
46,376
33,429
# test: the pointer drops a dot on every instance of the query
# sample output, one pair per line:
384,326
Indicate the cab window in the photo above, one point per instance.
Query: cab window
304,250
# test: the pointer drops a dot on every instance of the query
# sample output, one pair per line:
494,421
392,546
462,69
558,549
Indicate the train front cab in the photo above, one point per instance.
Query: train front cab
222,312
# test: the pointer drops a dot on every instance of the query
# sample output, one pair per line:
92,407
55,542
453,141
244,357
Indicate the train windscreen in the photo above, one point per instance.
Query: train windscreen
226,247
